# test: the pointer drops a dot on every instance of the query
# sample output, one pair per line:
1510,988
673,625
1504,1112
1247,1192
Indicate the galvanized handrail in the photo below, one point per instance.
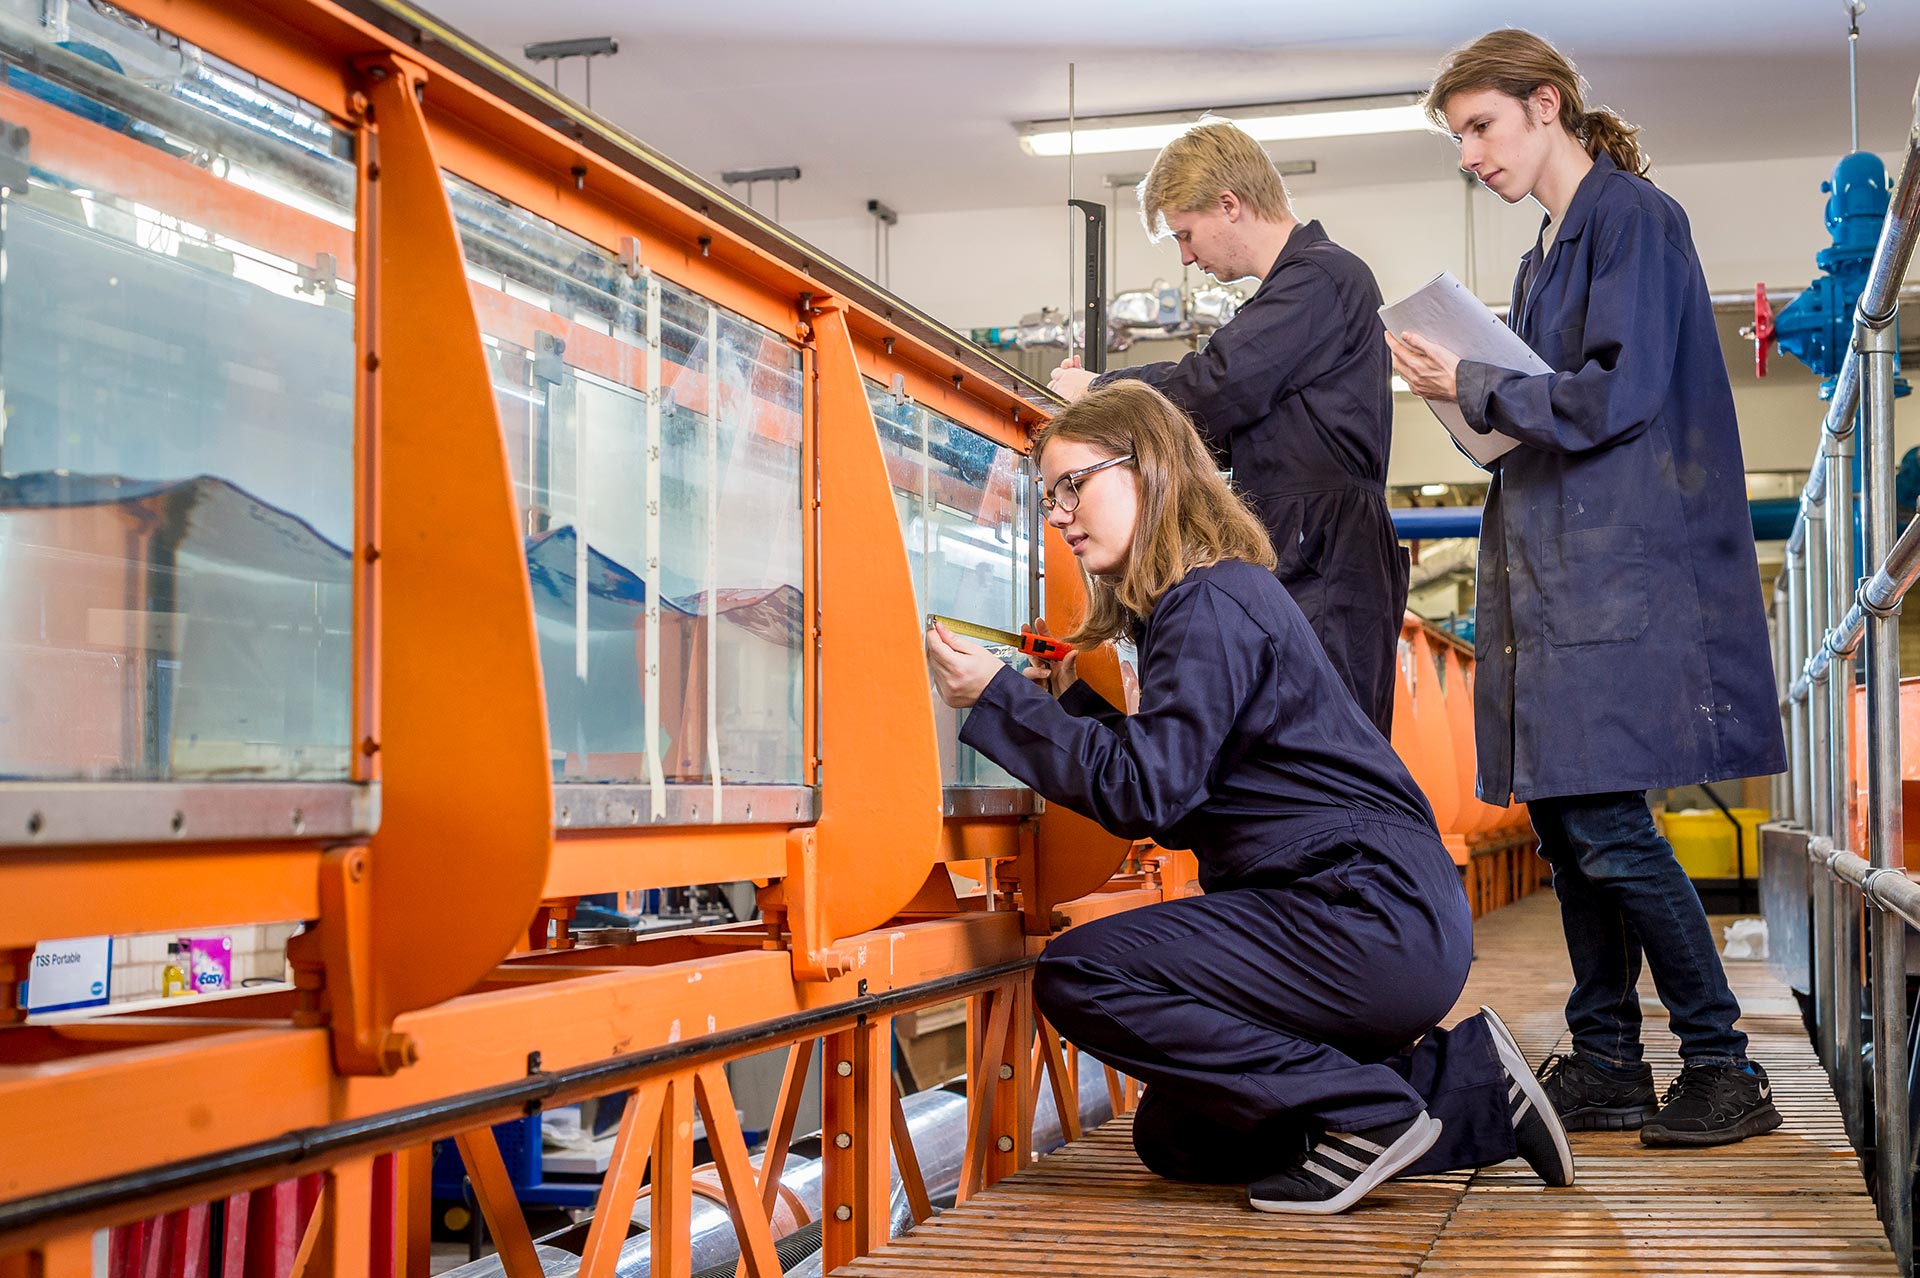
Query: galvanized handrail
1826,612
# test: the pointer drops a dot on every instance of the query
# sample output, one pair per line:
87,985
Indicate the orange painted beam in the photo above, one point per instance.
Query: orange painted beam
457,719
62,892
611,860
880,786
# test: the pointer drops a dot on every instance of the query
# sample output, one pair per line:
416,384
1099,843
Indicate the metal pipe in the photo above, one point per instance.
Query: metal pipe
1819,783
1885,833
1809,497
1780,785
1881,297
1840,581
1888,890
1796,626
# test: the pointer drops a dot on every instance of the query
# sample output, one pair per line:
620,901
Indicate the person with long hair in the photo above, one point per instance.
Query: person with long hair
1271,1017
1620,632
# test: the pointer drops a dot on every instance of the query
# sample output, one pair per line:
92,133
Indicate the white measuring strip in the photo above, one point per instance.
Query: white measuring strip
656,779
713,555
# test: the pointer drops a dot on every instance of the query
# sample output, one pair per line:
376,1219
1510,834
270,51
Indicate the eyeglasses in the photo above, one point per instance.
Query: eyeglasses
1064,496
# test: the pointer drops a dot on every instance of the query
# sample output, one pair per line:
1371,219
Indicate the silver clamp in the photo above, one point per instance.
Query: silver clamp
1867,605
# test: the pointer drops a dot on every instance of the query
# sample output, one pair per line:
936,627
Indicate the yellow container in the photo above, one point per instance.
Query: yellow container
1703,840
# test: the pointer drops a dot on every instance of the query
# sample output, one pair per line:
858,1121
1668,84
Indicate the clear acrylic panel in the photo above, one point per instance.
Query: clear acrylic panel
758,538
710,533
964,514
176,468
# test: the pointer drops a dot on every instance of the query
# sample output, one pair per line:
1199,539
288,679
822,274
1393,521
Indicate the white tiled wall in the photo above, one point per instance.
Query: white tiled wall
259,951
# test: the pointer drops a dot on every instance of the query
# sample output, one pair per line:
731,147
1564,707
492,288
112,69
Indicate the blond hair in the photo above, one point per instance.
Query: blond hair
1189,518
1516,62
1198,167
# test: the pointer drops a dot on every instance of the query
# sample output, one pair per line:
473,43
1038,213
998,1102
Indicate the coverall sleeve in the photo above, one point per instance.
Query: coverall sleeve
1208,660
1082,702
1635,299
1261,354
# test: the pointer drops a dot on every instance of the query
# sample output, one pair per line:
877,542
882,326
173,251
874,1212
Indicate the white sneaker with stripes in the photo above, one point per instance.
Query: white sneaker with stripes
1537,1130
1344,1167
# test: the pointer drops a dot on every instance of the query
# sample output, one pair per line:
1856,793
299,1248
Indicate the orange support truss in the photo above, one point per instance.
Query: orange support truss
400,1031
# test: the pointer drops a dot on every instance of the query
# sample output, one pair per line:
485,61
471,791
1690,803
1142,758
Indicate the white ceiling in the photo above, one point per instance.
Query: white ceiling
914,103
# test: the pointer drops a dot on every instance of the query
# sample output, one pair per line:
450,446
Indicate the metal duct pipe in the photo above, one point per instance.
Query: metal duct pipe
936,1122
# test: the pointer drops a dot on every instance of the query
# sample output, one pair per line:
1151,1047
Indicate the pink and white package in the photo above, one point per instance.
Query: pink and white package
210,960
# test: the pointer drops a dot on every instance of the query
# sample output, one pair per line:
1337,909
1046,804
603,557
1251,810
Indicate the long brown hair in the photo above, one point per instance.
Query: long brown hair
1189,518
1516,62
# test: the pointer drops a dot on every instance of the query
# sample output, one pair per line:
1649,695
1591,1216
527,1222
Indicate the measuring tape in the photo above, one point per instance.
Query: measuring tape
1044,647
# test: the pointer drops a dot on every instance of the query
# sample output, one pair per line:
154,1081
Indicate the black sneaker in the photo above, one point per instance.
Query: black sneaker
1713,1105
1590,1098
1537,1131
1344,1167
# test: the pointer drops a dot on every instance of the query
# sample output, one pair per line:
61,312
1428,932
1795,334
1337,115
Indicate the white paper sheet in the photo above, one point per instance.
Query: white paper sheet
1443,311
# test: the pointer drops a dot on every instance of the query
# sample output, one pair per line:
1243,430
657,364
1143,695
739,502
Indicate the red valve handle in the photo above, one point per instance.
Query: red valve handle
1762,329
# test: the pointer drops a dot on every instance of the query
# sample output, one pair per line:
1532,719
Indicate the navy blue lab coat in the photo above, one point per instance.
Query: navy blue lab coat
1333,932
1621,639
1295,394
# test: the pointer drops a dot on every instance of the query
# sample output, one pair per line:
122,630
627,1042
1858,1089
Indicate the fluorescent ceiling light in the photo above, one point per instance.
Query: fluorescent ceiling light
1400,386
1270,122
1432,490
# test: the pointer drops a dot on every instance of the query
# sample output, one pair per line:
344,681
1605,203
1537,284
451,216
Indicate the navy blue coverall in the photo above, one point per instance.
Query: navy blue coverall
1621,635
1294,393
1333,933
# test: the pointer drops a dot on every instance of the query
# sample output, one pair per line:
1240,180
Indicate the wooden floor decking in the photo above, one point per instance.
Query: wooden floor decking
1792,1202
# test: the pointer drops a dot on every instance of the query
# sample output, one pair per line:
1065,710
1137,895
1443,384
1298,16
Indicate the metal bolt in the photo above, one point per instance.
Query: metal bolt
179,822
1004,1144
842,1141
844,1069
1006,1071
843,1212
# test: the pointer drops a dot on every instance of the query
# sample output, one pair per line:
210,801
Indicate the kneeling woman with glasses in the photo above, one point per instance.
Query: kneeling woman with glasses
1274,1020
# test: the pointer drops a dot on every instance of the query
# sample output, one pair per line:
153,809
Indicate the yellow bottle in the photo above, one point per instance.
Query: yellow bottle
173,975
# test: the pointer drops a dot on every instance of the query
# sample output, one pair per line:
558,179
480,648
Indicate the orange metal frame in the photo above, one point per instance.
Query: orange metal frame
856,904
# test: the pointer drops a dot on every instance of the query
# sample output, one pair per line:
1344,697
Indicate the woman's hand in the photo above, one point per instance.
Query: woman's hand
962,669
1429,368
1055,676
1070,381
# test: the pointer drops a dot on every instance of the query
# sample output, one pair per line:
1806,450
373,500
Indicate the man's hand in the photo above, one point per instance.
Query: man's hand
1055,676
1070,381
962,669
1428,367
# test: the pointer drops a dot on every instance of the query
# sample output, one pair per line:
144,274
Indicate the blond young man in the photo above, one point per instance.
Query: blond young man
1293,393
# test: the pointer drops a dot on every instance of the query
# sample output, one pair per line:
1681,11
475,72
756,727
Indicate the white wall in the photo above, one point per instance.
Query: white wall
1752,221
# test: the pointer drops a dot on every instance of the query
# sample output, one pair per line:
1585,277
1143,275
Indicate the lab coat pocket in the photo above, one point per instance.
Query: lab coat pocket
1594,586
1564,348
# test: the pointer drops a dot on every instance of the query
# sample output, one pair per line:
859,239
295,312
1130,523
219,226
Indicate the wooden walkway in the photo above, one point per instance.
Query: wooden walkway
1792,1202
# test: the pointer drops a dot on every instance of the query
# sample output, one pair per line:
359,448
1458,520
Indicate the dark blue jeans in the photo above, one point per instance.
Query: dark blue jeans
1622,893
